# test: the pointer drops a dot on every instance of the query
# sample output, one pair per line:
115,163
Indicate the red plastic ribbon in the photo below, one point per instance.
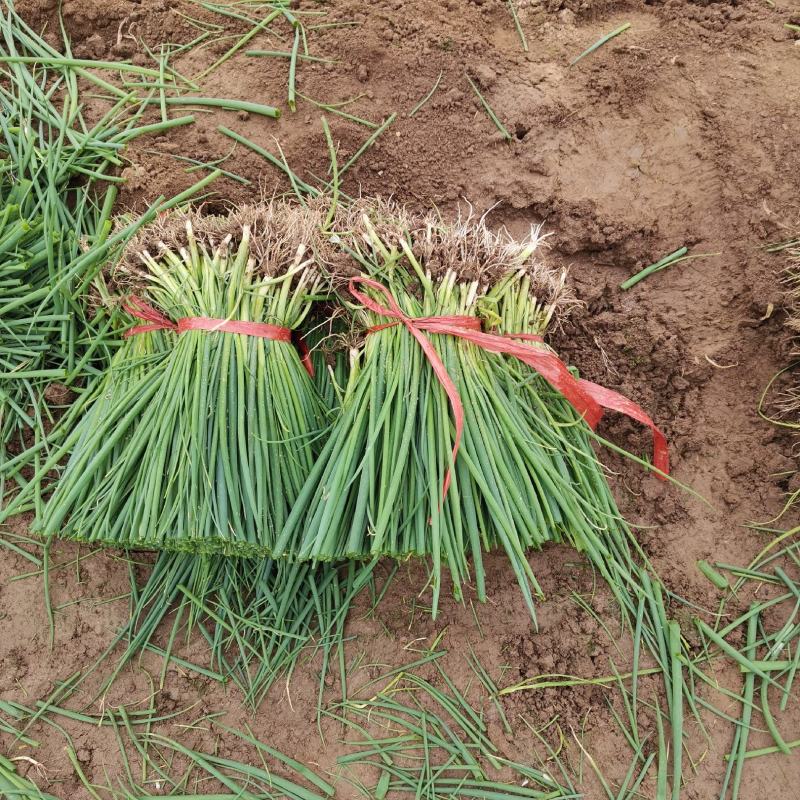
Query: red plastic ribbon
614,401
589,399
261,329
136,307
303,351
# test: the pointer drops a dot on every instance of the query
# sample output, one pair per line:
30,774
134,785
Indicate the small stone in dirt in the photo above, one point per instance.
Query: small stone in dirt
133,175
567,16
94,46
57,393
652,490
85,11
680,384
739,466
84,755
453,96
485,76
124,48
362,73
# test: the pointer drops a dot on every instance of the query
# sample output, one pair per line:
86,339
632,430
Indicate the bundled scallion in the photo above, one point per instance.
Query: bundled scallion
525,473
256,616
24,335
206,447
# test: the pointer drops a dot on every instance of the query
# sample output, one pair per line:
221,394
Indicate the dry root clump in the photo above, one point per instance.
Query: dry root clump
278,229
468,248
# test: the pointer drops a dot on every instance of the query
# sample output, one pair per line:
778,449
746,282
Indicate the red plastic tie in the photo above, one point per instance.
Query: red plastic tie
157,322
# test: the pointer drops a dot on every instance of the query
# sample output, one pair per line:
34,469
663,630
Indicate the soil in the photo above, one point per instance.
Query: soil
682,130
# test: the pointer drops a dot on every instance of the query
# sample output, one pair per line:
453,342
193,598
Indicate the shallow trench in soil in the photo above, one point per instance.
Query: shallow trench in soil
681,131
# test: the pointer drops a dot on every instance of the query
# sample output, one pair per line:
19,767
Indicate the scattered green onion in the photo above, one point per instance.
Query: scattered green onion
600,42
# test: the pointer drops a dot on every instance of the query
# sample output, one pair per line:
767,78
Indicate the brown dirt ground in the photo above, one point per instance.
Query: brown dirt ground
683,130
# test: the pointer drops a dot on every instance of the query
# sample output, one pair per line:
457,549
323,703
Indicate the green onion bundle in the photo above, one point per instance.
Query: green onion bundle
208,447
56,197
525,474
43,225
256,616
24,336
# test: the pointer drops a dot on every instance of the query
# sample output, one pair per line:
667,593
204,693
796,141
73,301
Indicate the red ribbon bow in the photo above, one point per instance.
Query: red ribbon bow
589,399
136,307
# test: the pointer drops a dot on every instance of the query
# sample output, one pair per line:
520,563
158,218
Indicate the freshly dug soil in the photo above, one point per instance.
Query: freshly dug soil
681,131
